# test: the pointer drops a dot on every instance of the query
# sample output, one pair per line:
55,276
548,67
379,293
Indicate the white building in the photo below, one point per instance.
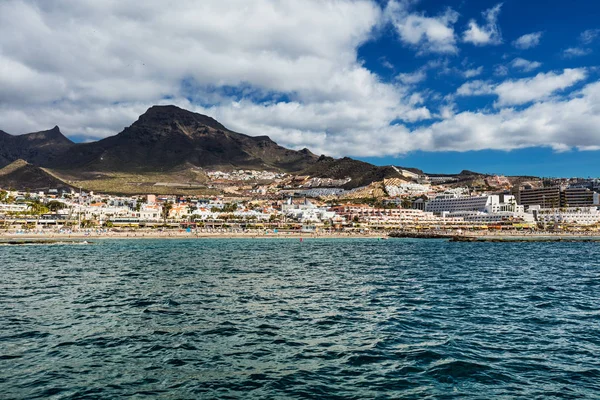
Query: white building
18,208
571,215
451,203
150,212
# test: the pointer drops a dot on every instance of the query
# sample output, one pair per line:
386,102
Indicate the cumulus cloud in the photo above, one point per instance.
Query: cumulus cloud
573,52
289,70
475,88
412,78
473,72
525,65
559,124
426,34
585,39
487,34
523,91
542,86
528,41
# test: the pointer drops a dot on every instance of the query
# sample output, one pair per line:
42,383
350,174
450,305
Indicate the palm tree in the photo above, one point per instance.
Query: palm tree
37,209
166,208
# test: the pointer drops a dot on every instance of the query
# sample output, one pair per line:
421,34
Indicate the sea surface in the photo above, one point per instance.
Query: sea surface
284,319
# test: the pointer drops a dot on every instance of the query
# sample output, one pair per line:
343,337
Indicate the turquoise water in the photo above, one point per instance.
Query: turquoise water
341,318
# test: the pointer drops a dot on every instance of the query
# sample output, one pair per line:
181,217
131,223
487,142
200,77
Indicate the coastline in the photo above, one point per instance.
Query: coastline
451,236
505,236
45,236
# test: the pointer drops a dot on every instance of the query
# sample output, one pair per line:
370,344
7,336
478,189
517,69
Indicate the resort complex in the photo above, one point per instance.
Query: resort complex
259,201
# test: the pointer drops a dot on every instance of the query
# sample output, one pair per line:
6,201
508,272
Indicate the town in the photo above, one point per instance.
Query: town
269,202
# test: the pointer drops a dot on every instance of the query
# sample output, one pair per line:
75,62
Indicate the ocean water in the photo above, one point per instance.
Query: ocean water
280,319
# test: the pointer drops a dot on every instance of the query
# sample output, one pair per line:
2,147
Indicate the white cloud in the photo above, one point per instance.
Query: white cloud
585,39
501,70
92,67
488,34
559,124
471,73
528,41
589,36
525,65
412,78
125,51
475,88
426,34
523,91
540,87
573,52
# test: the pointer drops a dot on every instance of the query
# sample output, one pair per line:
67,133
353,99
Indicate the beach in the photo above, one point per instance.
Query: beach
180,234
456,236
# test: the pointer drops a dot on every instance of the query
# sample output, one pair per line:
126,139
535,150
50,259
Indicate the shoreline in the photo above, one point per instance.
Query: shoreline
181,236
448,235
506,237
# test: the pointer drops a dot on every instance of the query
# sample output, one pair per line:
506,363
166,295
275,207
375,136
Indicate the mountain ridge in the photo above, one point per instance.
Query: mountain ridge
39,148
167,139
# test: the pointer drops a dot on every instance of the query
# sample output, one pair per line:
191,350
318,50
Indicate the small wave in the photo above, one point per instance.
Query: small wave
457,369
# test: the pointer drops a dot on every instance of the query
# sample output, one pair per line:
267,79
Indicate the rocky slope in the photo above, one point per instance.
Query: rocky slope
167,137
20,175
40,148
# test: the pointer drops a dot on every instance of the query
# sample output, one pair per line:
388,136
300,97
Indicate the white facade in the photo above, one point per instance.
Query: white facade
407,188
150,212
577,216
451,203
14,208
485,217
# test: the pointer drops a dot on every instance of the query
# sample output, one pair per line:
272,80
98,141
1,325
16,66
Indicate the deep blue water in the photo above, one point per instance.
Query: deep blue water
283,319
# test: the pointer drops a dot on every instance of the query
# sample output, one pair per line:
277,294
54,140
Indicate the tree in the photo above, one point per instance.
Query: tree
166,209
54,206
191,208
37,209
3,196
229,207
406,203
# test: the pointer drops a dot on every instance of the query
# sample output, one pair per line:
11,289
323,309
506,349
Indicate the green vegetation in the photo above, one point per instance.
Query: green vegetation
166,209
54,206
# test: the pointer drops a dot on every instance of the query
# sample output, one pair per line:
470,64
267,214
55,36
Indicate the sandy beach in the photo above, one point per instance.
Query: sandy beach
45,235
182,234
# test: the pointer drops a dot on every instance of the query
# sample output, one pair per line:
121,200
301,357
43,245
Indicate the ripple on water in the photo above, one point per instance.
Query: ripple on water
275,319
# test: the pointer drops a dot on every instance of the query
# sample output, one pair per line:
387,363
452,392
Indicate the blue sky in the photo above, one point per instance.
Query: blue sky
508,87
561,25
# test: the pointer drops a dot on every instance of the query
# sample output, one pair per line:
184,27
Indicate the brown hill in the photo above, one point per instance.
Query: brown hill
39,148
360,172
20,175
167,137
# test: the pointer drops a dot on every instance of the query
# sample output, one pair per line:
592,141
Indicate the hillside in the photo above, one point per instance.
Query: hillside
167,137
38,148
20,175
360,172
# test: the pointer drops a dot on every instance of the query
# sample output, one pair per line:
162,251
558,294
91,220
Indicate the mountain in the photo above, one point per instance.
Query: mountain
171,146
20,175
39,148
168,137
360,172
